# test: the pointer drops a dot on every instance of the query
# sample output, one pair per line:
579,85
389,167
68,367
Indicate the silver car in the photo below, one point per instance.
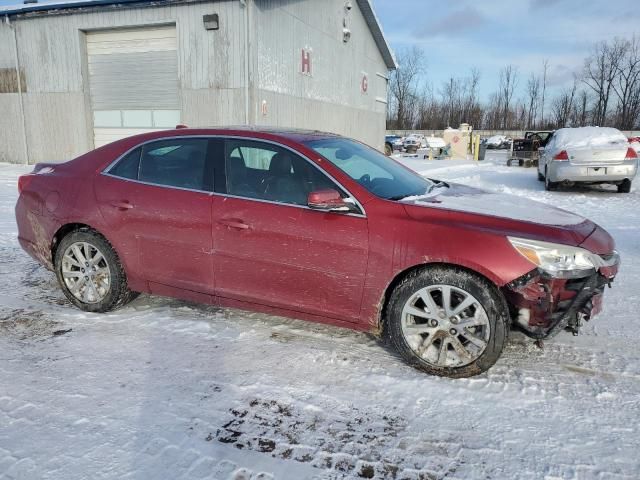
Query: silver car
588,155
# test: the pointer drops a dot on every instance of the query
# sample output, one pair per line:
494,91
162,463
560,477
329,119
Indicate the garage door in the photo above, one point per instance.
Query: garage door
133,81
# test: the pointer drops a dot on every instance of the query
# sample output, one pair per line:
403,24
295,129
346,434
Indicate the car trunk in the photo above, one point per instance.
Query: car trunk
609,155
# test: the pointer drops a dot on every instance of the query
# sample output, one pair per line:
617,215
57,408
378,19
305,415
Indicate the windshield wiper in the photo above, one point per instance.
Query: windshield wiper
400,197
437,184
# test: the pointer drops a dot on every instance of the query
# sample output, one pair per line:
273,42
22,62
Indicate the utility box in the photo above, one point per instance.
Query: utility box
459,139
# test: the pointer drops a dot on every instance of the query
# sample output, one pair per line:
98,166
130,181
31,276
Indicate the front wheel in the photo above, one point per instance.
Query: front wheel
447,321
388,149
90,273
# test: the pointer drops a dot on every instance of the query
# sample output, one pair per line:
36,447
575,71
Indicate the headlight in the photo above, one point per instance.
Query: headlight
560,261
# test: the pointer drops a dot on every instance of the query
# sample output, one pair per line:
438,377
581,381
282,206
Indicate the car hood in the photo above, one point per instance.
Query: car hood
503,213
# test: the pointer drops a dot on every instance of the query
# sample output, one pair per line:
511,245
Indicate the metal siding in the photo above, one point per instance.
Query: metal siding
213,107
331,98
11,147
210,70
56,125
54,59
7,59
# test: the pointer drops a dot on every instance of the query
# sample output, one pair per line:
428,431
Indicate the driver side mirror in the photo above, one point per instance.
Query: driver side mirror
329,200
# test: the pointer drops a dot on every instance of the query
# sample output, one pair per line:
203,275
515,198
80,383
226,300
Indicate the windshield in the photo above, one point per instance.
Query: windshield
377,173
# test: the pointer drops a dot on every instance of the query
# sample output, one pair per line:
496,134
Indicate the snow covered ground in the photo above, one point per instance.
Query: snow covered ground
164,389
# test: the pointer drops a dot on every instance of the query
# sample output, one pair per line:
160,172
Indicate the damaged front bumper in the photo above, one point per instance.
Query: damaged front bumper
542,305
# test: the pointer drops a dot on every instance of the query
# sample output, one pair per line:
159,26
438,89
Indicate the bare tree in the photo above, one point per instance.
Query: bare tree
581,111
451,100
403,86
493,113
611,94
533,91
600,71
508,83
545,67
627,86
563,106
471,107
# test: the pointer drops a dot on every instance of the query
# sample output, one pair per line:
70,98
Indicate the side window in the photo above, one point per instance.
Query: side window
176,163
128,166
268,172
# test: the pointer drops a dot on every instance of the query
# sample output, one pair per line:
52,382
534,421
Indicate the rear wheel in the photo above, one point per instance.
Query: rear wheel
625,186
548,184
90,273
447,322
388,149
540,177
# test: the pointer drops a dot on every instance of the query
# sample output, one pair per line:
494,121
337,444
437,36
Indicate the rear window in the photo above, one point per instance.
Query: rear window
178,162
128,166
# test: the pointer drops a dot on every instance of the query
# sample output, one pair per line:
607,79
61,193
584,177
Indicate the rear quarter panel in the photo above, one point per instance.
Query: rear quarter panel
44,206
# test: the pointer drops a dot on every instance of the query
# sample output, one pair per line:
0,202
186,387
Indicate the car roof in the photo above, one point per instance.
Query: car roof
292,134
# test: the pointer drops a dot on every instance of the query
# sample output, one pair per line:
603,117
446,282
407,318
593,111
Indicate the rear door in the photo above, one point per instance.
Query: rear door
157,203
271,249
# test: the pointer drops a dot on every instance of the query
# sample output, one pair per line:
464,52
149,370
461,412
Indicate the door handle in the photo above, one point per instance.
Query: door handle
122,205
233,223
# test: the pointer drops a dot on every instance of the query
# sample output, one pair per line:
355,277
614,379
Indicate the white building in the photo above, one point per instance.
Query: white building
94,71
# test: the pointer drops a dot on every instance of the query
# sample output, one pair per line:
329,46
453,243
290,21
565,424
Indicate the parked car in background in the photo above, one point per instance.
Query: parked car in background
313,226
588,155
392,143
496,142
414,142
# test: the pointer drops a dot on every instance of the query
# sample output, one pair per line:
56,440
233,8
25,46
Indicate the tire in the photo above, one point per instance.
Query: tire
489,306
108,280
625,186
549,186
388,149
540,177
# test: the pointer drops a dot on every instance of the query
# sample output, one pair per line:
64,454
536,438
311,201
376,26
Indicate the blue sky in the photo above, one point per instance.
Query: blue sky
459,34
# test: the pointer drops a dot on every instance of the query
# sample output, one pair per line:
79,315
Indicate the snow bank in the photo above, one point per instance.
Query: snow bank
588,137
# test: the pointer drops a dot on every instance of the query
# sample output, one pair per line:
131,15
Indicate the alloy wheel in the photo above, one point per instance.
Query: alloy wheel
86,272
445,326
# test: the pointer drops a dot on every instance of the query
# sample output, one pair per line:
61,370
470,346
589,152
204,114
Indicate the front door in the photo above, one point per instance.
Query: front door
271,249
157,201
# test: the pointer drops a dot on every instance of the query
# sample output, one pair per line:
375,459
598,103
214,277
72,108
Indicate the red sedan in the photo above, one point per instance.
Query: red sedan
314,226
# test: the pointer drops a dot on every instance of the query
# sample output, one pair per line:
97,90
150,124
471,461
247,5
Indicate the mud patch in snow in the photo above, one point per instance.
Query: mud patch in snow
23,324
